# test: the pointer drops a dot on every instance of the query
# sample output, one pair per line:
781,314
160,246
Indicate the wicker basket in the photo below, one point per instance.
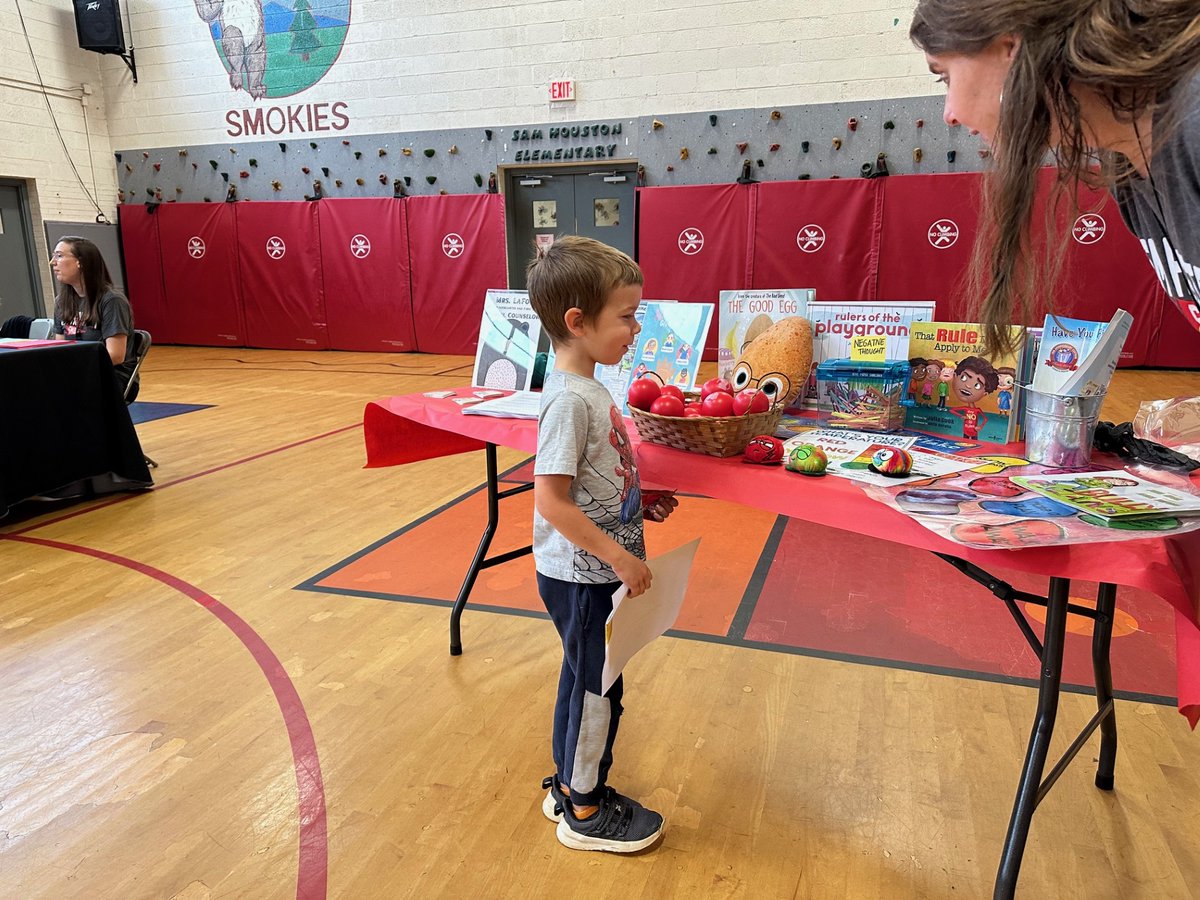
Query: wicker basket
712,435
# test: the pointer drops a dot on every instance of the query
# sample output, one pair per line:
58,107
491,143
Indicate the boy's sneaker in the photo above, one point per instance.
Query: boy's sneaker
620,826
555,800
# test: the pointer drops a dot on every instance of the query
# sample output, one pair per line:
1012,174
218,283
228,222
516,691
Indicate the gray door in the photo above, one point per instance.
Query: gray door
544,203
20,293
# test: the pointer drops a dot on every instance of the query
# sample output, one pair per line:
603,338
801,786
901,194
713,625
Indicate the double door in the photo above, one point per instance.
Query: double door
546,203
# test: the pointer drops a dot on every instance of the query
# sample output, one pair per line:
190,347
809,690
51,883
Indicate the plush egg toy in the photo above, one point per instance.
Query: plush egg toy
764,450
891,461
807,459
777,361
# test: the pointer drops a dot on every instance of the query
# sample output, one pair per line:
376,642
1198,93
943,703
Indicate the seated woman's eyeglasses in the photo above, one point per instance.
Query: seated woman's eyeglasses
61,255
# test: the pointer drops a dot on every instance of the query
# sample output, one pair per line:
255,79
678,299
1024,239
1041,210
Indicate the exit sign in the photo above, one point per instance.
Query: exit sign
561,91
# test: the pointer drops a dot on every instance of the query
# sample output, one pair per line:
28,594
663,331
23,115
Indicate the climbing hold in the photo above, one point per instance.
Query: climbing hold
889,125
683,153
837,143
804,146
254,163
383,179
712,119
305,169
656,125
488,133
453,149
742,145
282,147
431,179
920,123
407,151
774,147
382,152
430,151
478,180
358,154
951,155
325,171
776,115
359,182
917,154
852,124
243,174
158,167
277,185
712,151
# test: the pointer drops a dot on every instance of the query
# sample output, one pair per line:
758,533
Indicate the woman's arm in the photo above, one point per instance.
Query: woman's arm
116,348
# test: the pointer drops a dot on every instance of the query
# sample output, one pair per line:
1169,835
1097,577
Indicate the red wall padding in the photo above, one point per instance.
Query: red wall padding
200,273
818,234
928,227
364,262
1101,264
693,243
143,271
279,256
457,251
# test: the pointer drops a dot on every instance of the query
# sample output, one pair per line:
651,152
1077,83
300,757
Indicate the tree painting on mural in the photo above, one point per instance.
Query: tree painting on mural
303,29
273,48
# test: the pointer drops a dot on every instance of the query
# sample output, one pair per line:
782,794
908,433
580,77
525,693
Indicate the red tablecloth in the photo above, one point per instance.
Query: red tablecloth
413,427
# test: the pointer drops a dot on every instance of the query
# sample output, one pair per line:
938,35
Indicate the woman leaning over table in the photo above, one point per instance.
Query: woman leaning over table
88,307
1110,81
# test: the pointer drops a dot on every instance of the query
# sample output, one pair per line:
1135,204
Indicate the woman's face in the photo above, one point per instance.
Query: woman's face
974,84
65,265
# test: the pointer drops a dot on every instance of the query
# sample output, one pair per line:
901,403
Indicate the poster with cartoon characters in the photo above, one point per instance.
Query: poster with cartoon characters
957,388
987,507
670,345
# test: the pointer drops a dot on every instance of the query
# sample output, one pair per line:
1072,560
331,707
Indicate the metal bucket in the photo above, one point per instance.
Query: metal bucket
1059,429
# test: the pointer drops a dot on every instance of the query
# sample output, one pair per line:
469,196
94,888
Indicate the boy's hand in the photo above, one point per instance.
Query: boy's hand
634,574
659,505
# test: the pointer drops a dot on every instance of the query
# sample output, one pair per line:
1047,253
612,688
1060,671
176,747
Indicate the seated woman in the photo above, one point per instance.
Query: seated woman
88,307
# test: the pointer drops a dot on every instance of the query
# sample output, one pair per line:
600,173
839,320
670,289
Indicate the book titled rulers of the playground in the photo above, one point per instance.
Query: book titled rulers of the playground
958,388
1112,495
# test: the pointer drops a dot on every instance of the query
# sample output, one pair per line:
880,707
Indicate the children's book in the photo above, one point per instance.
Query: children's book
1065,344
670,345
1112,495
1096,368
744,315
1033,343
510,339
836,322
957,389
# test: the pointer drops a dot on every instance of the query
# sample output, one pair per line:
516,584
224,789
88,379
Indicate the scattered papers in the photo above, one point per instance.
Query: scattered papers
636,621
517,405
850,451
1117,494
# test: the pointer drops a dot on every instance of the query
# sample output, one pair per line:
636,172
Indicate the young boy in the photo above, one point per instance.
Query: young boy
587,529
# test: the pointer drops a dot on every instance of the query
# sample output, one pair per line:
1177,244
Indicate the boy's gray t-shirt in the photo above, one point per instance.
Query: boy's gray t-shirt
1164,210
581,434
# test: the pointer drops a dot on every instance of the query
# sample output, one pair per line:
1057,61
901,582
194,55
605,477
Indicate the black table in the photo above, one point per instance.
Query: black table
64,425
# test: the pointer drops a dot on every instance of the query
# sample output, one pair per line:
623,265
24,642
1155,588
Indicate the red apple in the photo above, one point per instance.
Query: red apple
751,400
718,403
643,392
692,412
694,406
670,390
666,405
715,384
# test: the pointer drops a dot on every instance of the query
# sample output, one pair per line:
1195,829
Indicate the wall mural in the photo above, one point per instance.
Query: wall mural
276,49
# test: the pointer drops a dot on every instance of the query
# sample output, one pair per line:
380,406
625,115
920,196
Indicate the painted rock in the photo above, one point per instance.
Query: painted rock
764,450
807,459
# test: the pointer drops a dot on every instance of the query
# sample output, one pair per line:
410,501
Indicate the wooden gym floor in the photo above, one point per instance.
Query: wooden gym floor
180,722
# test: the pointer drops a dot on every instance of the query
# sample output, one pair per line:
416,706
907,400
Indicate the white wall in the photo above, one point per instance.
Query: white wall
462,63
30,148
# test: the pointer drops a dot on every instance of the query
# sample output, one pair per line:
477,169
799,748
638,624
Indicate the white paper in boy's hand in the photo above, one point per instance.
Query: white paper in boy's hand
636,621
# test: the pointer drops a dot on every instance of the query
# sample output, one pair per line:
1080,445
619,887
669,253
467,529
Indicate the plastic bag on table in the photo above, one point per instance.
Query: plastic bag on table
1174,423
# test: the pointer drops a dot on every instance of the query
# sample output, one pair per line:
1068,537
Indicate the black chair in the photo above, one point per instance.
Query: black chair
137,348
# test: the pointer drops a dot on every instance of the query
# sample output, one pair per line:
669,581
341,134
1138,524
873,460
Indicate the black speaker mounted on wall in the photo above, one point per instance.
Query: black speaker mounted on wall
98,25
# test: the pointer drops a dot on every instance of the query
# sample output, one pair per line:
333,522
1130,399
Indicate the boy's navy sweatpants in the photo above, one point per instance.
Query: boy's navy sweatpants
585,723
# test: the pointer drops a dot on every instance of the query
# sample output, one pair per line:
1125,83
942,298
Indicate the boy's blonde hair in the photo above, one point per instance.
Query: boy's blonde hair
578,272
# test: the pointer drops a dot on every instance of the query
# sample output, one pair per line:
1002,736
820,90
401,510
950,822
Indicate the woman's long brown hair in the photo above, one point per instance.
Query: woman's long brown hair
1132,53
96,282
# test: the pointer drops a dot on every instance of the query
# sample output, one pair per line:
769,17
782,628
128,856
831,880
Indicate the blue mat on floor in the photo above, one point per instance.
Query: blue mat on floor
141,411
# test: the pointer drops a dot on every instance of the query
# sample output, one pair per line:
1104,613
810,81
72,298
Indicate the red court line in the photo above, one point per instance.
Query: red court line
312,873
167,484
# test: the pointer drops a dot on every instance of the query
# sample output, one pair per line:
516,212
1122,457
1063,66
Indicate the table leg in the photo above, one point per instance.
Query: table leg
1106,607
1029,790
489,531
482,560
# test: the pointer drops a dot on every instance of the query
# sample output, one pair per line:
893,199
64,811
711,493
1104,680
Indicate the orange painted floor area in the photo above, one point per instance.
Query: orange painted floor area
780,584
